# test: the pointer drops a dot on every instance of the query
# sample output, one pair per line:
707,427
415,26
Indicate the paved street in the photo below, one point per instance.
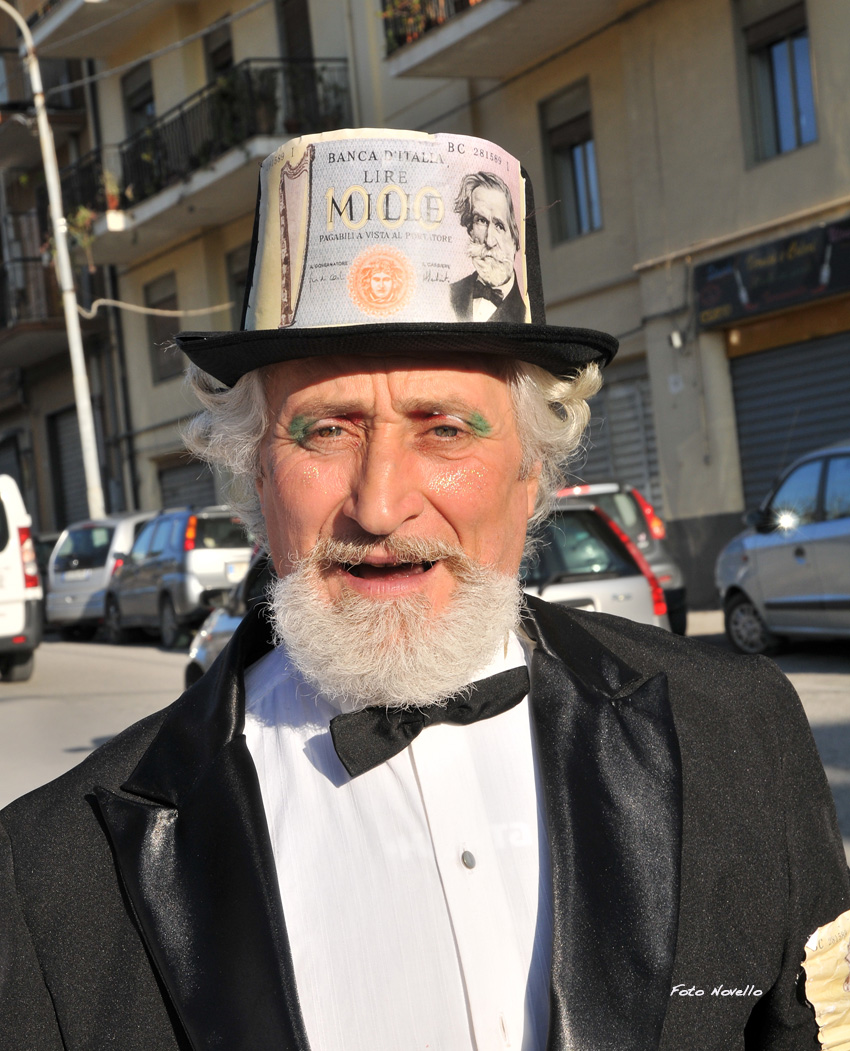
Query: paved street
82,693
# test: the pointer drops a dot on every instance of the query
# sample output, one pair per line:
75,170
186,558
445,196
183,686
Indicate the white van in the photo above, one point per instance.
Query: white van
20,586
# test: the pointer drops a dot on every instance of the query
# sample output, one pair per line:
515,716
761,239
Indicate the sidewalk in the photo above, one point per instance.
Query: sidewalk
708,625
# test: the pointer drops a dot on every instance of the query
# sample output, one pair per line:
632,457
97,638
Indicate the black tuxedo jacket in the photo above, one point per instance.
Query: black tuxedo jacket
692,835
512,307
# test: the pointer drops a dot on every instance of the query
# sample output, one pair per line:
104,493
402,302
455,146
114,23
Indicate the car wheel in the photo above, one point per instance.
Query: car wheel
745,629
678,618
18,667
192,674
116,633
170,630
79,633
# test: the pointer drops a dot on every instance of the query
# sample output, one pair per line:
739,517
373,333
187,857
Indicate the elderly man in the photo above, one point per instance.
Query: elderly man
486,212
408,808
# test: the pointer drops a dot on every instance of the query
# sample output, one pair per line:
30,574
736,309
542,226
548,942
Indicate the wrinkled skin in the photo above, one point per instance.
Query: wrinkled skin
376,447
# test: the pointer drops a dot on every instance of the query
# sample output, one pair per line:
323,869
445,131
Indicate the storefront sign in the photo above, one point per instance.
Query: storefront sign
780,274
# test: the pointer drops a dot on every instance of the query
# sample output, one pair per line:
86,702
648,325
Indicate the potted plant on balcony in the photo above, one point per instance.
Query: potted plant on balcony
111,190
80,225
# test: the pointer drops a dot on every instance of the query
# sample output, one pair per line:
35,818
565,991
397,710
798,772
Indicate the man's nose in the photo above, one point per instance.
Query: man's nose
490,236
384,492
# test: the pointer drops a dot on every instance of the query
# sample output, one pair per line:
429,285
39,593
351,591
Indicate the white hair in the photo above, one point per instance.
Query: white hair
551,416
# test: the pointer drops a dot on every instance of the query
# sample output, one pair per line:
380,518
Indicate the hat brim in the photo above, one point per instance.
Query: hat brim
227,356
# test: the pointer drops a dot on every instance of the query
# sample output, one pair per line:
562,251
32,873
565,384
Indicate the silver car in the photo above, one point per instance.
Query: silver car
183,564
584,560
81,566
787,576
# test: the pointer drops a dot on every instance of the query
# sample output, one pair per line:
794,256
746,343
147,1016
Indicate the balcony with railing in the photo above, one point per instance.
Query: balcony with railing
19,145
30,302
32,319
486,38
196,164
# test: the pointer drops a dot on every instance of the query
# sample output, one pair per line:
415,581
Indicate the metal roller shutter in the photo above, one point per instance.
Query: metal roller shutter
188,484
620,442
788,402
70,477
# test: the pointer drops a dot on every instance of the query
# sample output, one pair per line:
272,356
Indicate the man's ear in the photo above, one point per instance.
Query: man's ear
259,485
532,483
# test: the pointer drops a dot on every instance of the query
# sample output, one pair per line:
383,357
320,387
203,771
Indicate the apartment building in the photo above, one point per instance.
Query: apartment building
181,102
691,171
39,440
691,168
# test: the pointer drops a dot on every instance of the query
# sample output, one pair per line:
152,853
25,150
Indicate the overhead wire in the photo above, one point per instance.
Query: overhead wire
135,308
52,45
115,71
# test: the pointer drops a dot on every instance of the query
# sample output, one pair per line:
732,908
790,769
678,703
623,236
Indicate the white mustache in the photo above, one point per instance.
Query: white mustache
478,250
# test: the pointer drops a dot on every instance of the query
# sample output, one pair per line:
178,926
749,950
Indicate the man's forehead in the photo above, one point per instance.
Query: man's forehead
461,376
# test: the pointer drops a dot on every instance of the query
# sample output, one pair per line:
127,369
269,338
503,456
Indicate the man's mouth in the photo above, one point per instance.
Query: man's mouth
386,570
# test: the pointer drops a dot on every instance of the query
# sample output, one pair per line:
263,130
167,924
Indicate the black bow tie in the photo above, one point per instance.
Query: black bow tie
371,736
482,291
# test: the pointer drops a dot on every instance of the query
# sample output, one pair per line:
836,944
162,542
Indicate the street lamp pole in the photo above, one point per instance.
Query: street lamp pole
82,393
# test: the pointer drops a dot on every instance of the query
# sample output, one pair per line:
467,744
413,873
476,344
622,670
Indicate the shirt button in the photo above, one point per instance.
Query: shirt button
468,858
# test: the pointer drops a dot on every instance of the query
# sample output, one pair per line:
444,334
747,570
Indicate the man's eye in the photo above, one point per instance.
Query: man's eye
445,430
330,431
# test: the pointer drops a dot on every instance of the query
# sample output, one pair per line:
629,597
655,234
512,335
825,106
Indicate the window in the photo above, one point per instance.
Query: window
780,76
137,90
570,156
166,359
218,50
795,502
237,278
836,500
142,543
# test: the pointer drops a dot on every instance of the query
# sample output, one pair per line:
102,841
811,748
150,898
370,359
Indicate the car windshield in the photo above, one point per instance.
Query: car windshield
578,544
221,532
86,547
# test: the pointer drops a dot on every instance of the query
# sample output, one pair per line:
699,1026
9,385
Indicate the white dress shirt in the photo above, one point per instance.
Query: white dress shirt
484,309
416,896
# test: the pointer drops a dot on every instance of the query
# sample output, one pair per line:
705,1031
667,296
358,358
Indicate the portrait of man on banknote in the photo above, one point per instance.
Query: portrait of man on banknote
486,211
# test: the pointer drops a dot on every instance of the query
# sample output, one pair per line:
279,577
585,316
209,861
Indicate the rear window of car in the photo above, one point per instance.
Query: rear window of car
84,548
578,545
623,508
221,532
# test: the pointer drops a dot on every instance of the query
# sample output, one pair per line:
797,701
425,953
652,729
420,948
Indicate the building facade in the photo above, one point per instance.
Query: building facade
180,102
691,168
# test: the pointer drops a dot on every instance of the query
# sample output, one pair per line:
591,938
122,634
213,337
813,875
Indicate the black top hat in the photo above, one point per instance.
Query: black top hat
373,241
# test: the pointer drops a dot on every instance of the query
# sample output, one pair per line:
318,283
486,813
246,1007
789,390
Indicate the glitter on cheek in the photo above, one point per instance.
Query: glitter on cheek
458,481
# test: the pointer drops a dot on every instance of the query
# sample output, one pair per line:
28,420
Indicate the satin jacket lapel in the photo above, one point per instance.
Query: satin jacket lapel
611,773
192,846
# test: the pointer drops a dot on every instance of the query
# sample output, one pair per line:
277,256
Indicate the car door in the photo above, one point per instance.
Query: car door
833,545
131,580
151,571
786,561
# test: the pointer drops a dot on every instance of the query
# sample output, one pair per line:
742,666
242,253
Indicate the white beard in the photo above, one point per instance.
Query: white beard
493,266
395,652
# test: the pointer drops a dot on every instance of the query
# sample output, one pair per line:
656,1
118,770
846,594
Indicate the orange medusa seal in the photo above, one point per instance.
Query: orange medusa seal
380,281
